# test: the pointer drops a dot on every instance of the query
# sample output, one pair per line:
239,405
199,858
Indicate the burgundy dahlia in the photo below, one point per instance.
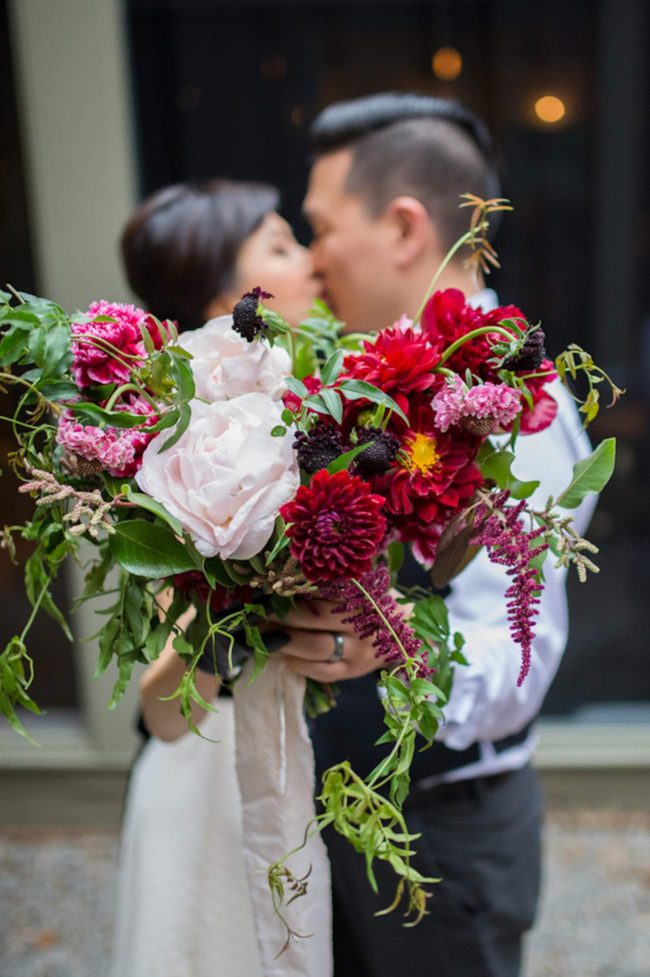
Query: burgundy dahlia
245,319
336,526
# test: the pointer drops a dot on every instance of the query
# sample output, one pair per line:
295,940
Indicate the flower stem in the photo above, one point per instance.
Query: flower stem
371,600
467,236
37,604
466,338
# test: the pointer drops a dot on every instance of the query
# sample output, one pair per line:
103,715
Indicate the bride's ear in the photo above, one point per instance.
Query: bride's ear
219,305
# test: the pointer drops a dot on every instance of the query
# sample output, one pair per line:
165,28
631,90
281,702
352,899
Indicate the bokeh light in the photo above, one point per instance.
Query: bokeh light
447,63
550,109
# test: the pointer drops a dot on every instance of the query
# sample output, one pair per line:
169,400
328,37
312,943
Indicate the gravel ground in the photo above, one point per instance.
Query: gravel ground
56,898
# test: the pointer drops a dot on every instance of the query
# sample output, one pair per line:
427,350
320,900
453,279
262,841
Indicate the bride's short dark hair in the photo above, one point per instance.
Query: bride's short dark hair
403,143
180,246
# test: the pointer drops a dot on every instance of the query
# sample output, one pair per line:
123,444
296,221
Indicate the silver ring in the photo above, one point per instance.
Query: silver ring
339,643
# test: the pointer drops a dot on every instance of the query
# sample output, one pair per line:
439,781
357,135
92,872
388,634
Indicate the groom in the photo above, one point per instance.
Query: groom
382,200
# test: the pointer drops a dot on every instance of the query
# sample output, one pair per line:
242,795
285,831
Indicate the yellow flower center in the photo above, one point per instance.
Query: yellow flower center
422,452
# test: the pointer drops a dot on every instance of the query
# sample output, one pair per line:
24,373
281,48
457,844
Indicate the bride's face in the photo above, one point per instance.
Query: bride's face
272,258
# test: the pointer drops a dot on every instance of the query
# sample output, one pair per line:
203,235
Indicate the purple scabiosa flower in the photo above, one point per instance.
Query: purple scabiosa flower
369,623
501,530
245,319
531,354
380,453
319,448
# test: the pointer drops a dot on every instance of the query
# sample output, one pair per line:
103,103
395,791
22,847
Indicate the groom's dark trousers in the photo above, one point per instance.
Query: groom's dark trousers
481,836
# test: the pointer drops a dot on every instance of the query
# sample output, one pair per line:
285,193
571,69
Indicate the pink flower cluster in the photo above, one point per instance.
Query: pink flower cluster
509,545
108,351
115,450
495,405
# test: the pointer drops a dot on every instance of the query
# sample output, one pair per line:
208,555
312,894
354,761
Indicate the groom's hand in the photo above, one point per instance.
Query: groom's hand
312,648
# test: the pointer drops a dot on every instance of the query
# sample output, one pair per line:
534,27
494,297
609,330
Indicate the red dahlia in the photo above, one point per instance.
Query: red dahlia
437,470
336,526
399,362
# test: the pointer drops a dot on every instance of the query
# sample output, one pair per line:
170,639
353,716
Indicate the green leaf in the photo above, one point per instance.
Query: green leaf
278,431
589,475
395,553
359,389
146,502
184,417
332,368
296,387
147,550
13,343
344,461
89,413
333,402
497,467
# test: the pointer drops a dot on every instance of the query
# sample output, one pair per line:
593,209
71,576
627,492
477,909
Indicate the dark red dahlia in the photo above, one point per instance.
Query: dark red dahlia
447,317
437,470
336,526
398,361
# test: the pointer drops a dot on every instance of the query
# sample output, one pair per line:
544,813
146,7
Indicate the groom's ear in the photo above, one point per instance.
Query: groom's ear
412,232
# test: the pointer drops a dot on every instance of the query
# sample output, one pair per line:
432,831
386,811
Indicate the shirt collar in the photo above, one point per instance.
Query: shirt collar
487,299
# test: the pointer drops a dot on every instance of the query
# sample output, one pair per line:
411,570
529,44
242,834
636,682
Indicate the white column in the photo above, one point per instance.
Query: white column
75,120
75,117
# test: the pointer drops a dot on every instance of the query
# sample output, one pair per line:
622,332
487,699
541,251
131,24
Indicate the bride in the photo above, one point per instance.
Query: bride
183,908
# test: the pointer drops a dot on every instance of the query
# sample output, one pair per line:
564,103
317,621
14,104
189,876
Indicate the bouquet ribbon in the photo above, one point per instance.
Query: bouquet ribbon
275,769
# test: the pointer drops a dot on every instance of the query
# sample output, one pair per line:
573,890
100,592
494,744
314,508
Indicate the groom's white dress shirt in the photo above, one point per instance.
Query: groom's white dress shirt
485,703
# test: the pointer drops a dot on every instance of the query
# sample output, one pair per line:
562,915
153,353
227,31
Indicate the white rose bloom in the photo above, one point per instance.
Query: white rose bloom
225,365
226,477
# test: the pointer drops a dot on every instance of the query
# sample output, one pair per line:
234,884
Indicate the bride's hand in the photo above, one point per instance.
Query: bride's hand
313,649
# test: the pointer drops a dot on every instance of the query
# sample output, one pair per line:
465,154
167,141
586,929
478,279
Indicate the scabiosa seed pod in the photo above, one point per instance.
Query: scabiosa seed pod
319,448
480,427
377,457
245,319
531,353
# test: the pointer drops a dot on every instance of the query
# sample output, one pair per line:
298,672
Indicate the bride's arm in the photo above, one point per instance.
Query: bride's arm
161,678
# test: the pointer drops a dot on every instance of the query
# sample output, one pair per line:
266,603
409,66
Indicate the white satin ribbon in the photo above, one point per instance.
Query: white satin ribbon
275,768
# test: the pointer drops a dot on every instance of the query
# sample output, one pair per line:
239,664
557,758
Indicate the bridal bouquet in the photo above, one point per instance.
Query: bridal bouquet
242,466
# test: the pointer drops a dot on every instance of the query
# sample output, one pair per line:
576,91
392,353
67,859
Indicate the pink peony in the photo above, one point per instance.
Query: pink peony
92,363
225,365
115,450
226,477
483,409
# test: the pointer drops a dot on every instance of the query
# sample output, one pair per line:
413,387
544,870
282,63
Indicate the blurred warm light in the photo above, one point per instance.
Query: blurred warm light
446,63
273,66
298,116
550,109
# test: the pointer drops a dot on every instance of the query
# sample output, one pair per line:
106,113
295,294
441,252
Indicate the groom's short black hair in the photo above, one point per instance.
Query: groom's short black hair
430,148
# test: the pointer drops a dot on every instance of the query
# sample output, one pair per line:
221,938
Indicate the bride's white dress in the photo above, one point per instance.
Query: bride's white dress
183,905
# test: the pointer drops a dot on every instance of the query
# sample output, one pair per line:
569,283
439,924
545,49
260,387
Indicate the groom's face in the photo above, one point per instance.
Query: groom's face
353,249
